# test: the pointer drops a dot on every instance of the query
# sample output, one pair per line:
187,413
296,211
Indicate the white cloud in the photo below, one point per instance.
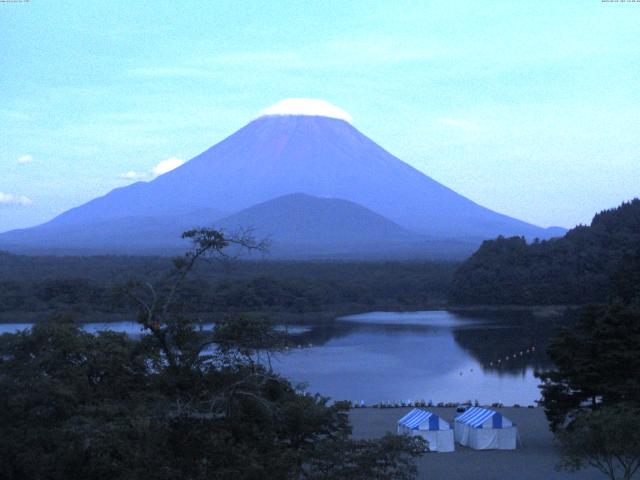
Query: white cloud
166,166
11,199
24,159
460,124
131,175
307,106
161,168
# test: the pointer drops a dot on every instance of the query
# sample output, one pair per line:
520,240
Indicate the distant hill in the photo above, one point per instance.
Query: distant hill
271,157
304,226
300,224
307,219
574,269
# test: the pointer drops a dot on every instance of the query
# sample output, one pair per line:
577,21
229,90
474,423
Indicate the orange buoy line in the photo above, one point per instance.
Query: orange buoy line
513,356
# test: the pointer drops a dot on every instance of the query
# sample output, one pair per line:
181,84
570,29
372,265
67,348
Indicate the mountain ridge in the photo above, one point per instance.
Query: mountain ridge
277,155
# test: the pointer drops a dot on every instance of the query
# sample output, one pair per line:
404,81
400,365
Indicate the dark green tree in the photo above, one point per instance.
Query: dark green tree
625,281
597,362
607,439
392,457
592,397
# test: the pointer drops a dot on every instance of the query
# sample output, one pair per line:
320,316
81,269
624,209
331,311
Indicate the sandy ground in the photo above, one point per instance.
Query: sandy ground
535,459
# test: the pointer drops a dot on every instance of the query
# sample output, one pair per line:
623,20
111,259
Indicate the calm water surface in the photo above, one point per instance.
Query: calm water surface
434,356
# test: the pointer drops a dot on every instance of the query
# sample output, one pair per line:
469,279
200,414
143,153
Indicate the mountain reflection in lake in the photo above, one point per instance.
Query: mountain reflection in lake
385,356
436,355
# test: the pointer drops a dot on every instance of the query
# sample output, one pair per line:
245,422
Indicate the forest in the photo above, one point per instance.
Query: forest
591,393
576,269
90,288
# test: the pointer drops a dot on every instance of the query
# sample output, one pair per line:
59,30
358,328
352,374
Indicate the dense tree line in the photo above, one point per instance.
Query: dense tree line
295,287
575,269
592,395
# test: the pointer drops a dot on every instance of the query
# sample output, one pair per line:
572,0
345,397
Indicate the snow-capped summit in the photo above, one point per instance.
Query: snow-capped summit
307,106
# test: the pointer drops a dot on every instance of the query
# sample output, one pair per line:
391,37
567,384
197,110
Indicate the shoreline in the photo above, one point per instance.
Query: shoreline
303,318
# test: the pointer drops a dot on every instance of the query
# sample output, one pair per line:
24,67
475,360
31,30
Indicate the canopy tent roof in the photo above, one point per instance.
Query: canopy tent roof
478,417
423,420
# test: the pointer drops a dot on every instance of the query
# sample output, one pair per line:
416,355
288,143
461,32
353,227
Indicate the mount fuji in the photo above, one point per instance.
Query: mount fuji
301,156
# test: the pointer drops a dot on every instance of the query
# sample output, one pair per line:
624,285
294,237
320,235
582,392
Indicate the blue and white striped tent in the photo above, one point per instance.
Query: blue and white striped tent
478,416
430,426
481,428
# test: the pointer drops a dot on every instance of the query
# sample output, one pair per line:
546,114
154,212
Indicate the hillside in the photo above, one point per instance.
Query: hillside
574,269
303,226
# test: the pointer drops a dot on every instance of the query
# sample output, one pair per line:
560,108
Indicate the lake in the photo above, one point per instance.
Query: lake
436,356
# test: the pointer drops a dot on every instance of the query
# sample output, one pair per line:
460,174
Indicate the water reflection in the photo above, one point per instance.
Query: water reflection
437,356
432,318
434,356
508,343
502,342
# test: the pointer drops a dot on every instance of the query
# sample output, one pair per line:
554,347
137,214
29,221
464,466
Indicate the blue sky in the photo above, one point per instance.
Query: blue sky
530,108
